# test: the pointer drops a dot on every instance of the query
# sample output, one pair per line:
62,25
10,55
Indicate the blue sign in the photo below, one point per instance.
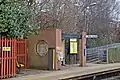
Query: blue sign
65,35
84,52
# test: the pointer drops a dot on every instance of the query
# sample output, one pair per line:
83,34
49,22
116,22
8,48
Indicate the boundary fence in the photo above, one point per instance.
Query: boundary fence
11,50
99,54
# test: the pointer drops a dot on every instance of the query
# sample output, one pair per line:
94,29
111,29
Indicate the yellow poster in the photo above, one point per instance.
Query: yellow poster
73,47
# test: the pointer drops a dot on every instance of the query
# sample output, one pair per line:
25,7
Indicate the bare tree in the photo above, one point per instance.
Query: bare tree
66,15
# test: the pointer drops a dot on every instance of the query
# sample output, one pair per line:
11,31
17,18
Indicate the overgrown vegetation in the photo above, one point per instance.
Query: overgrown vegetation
14,18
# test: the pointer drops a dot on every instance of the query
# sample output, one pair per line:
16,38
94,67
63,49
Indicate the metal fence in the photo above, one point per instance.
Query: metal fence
99,54
7,58
10,52
21,52
114,55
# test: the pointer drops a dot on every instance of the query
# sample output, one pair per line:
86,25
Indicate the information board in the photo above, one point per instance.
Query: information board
73,47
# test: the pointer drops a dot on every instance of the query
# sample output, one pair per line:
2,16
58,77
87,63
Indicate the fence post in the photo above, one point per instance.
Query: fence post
107,56
25,54
14,56
2,58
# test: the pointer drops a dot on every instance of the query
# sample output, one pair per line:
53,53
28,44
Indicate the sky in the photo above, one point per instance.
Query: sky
118,0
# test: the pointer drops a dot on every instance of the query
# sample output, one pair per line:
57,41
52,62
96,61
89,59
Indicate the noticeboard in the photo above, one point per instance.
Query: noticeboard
73,47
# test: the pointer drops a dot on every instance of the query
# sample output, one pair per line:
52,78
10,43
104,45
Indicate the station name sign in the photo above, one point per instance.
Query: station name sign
91,36
65,35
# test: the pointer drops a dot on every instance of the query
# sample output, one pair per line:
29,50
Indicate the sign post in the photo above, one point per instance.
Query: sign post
83,50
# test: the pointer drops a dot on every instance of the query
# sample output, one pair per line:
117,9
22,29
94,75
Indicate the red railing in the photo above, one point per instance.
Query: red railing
21,52
7,58
11,50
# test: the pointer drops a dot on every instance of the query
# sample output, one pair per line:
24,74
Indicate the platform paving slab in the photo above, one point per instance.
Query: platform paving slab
69,71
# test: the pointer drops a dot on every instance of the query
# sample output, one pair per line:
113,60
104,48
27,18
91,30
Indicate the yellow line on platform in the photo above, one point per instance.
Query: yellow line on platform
53,59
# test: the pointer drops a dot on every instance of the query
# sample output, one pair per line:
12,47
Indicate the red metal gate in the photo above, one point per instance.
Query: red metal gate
11,50
21,52
7,58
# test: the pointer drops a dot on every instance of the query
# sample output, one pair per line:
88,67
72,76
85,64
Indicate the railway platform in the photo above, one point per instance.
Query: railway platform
68,72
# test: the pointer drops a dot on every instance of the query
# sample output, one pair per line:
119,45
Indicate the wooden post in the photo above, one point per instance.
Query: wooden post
83,50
